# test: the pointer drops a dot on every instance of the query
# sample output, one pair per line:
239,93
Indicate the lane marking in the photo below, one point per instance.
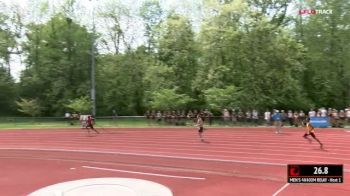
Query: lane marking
281,189
189,157
170,143
228,151
151,155
143,173
224,172
203,157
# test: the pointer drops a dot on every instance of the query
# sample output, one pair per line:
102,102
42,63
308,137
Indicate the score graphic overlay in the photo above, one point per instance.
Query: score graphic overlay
315,173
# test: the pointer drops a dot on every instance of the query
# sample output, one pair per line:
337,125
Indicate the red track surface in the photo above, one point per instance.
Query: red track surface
239,161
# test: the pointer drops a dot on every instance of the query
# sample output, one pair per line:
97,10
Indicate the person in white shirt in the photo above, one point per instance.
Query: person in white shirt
312,113
248,116
226,115
267,117
323,112
347,114
290,117
255,116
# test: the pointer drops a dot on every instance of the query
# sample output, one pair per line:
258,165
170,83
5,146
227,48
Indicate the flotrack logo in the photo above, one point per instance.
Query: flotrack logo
313,11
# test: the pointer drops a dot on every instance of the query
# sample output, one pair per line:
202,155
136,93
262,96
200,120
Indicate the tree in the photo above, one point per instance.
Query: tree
120,82
30,107
168,99
177,49
250,52
8,92
58,63
81,105
327,78
151,13
7,42
228,97
113,15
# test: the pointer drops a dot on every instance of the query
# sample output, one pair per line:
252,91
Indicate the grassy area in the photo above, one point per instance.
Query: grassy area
123,123
126,123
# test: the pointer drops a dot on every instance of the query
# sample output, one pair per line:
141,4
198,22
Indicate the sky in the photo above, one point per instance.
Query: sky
31,13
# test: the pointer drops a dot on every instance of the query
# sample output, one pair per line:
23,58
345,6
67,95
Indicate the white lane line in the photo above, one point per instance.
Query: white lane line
183,157
189,157
229,151
296,144
144,173
281,189
223,140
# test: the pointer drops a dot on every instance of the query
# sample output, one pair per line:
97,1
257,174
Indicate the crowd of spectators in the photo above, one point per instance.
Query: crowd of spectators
178,117
337,118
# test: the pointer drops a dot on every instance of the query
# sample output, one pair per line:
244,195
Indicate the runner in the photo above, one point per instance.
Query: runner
89,124
200,124
310,130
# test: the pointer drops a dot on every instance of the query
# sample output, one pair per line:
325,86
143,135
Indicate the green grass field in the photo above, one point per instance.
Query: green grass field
47,123
30,123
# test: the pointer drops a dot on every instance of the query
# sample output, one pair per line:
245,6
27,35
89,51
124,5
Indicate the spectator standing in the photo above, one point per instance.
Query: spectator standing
312,113
147,114
284,117
159,116
233,116
226,115
240,115
347,114
296,119
248,116
153,114
190,115
341,118
342,115
302,116
267,117
114,114
208,116
334,118
255,116
290,117
68,118
277,119
323,112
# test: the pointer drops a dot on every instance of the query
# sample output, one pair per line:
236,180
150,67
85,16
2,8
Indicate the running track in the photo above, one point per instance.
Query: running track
232,161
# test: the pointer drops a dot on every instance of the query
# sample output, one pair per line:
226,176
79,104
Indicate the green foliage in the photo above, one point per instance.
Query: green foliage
7,38
81,105
245,54
168,99
151,13
327,39
58,63
120,82
177,49
219,98
29,107
7,92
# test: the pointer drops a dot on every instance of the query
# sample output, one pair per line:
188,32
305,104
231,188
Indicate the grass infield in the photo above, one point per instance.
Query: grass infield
108,123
